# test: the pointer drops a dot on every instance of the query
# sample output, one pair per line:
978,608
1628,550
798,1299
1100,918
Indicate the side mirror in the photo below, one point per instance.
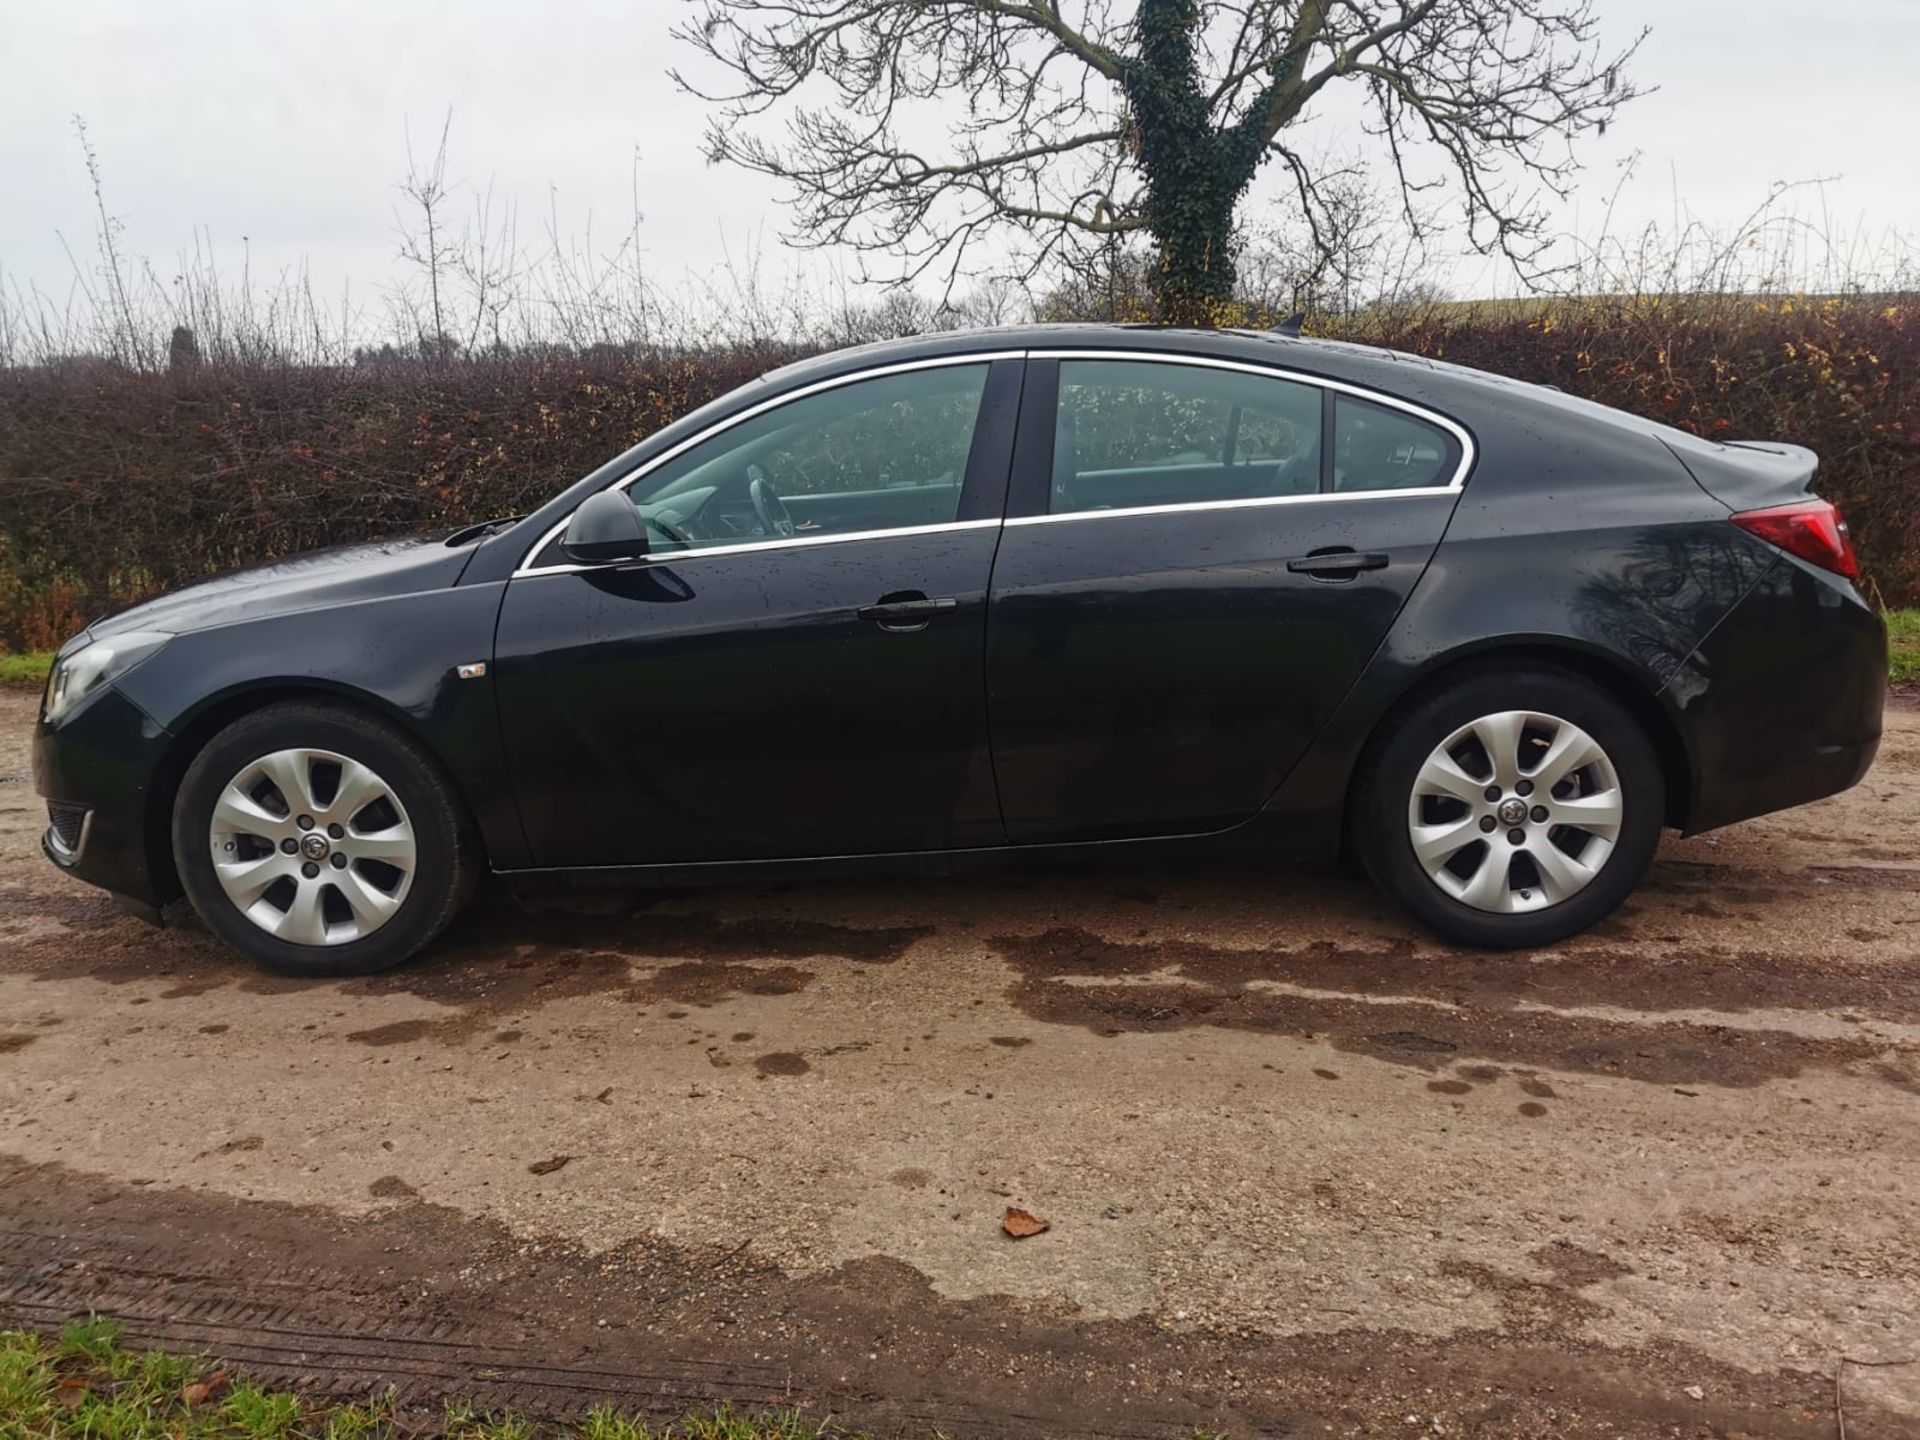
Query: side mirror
606,528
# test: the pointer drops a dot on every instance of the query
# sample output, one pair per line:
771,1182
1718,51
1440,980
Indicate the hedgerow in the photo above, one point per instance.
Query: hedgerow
116,484
1841,376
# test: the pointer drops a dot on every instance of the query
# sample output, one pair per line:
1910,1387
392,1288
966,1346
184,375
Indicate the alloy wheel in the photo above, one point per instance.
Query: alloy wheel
312,846
1515,811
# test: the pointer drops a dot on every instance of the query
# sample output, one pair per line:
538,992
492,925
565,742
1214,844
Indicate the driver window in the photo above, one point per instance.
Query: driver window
877,454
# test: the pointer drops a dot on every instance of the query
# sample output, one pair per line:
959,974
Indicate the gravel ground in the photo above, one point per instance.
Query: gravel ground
1307,1170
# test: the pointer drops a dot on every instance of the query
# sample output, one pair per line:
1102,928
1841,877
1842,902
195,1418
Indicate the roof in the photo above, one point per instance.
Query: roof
1337,359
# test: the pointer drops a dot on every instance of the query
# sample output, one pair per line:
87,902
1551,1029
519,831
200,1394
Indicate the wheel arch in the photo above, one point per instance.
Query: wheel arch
1632,687
193,732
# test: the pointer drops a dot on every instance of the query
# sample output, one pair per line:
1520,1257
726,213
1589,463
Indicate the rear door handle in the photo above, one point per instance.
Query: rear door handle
1338,564
907,611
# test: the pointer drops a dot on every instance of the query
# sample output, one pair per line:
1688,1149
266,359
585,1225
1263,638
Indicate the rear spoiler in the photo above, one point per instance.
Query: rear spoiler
1747,474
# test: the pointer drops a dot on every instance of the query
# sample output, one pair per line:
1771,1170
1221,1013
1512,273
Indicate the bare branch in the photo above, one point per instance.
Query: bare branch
1084,120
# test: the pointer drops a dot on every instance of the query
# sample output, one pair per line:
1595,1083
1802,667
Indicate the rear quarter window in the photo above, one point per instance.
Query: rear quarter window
1376,447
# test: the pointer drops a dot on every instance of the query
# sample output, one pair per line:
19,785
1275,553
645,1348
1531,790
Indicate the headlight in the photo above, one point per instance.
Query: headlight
78,675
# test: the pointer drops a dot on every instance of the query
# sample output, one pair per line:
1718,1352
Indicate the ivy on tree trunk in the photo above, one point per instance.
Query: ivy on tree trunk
1194,181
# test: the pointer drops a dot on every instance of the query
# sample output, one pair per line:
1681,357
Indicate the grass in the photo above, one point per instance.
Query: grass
87,1385
27,669
1903,645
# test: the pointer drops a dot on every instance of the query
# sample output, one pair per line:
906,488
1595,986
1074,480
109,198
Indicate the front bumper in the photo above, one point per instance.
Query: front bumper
1781,704
96,770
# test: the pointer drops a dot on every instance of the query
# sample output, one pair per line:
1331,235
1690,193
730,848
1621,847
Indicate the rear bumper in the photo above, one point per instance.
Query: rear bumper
1781,704
95,769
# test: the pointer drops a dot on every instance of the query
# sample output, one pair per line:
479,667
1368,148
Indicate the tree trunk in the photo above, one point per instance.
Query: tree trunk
1195,176
1192,229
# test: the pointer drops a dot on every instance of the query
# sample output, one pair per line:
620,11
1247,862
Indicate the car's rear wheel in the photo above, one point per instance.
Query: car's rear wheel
1511,808
319,841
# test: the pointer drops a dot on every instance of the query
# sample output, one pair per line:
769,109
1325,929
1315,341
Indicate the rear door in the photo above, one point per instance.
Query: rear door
1199,559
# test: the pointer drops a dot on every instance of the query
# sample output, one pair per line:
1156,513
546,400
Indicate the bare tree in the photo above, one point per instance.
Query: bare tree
125,345
1077,121
429,248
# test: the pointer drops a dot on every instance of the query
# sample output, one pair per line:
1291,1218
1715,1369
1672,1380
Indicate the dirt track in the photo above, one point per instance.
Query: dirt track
1307,1171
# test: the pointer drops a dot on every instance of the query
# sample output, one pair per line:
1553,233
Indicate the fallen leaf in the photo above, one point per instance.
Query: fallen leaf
1020,1225
547,1167
201,1391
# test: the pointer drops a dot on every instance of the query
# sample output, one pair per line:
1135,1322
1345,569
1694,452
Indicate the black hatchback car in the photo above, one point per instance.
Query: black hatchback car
1001,594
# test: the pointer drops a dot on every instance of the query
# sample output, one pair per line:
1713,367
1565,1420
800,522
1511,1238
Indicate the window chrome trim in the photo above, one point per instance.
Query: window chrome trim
675,557
526,566
1249,503
1469,451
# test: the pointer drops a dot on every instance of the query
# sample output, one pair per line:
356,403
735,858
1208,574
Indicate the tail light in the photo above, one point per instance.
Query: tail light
1810,529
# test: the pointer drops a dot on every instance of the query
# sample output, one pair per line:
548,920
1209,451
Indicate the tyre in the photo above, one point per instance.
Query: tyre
1510,807
319,841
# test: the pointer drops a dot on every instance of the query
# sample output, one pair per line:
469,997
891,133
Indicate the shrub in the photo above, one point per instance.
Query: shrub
115,485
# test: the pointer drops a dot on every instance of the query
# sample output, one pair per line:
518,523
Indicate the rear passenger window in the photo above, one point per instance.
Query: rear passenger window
1375,448
1131,433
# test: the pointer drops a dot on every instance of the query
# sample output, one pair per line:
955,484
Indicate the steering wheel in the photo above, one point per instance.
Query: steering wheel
768,508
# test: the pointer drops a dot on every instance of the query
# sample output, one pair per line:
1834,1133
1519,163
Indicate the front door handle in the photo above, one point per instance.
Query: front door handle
906,611
1338,564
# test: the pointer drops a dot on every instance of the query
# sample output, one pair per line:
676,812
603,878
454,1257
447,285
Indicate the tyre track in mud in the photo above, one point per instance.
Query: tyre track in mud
437,1308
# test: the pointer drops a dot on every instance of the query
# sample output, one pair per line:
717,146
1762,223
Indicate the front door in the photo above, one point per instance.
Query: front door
794,670
1198,562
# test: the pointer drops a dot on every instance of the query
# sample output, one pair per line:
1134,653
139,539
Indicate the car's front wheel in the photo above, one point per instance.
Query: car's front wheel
319,841
1511,808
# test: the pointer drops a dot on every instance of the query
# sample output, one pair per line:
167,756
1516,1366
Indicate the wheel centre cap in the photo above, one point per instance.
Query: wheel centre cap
315,846
1512,811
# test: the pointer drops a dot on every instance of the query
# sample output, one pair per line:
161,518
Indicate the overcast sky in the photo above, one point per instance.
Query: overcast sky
286,124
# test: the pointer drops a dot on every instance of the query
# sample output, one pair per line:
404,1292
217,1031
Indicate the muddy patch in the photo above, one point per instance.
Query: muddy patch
708,982
1528,1306
498,960
1754,886
638,930
502,961
782,1062
401,1032
437,1304
497,963
1577,1267
1576,973
71,907
525,983
1073,977
530,984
